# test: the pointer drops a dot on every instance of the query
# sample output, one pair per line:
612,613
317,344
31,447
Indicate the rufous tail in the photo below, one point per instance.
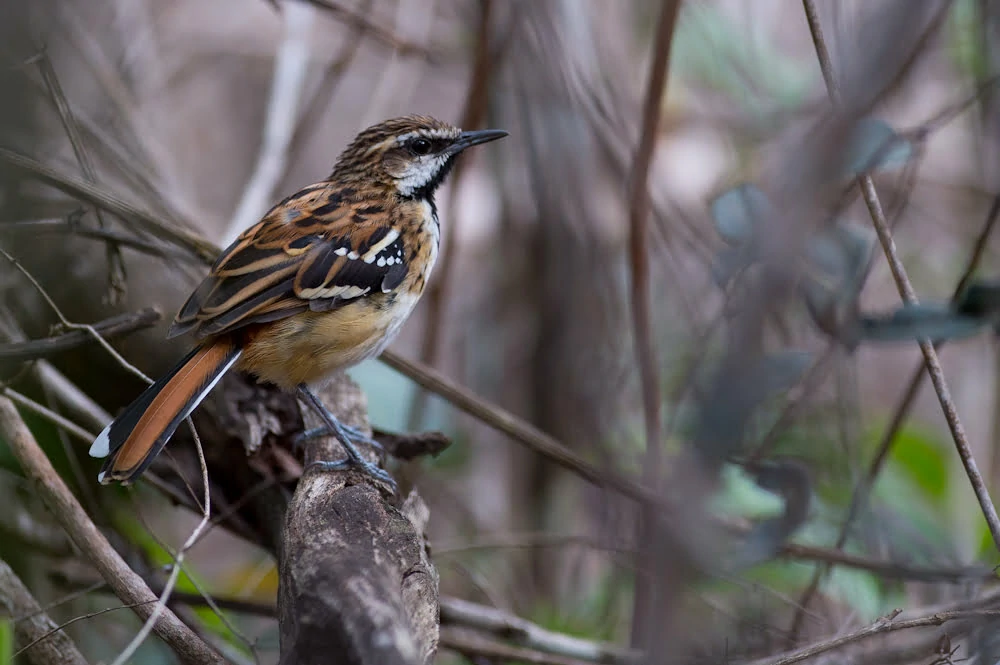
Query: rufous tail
137,436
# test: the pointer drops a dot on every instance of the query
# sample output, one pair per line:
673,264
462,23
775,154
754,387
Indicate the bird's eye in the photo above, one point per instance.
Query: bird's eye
421,147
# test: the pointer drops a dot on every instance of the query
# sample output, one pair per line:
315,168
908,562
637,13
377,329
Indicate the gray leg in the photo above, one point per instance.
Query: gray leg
347,436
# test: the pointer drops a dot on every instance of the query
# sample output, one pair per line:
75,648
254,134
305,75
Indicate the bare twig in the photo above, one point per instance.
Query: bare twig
116,264
96,195
376,30
52,226
70,397
518,429
860,495
503,625
112,327
931,361
642,328
68,425
882,626
475,646
74,326
178,565
473,113
34,624
313,110
638,236
291,63
126,584
793,551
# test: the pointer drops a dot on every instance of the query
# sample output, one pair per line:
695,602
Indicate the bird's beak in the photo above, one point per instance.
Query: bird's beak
469,139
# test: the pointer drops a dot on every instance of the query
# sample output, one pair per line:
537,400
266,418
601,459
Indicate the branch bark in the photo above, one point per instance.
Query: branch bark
32,625
127,585
356,578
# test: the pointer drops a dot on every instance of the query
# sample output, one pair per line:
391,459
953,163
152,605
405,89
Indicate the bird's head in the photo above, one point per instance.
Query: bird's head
410,155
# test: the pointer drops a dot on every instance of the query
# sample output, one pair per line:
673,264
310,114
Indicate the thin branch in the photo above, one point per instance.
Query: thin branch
70,397
34,625
40,226
642,327
516,428
291,63
928,350
126,584
112,327
793,551
59,421
376,30
510,628
178,565
908,295
116,264
860,495
96,195
61,628
319,101
638,236
475,647
436,298
74,326
882,626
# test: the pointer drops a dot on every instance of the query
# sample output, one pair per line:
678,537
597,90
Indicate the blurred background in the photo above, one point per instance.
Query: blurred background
779,384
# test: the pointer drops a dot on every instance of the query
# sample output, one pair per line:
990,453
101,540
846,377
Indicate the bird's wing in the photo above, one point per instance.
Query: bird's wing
314,250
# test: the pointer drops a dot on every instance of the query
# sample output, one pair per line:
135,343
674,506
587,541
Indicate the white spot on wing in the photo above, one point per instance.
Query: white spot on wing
345,292
340,251
378,247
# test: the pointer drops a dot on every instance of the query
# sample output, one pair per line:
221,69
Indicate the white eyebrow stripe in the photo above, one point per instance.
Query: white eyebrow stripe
427,133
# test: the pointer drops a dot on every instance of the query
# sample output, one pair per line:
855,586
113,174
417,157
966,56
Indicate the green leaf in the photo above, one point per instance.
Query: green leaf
923,459
712,48
875,146
6,642
964,39
857,589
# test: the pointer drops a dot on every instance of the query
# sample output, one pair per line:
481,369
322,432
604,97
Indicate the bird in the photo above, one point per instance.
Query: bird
322,282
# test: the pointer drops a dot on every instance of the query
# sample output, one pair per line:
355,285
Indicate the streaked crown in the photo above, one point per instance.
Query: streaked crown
411,155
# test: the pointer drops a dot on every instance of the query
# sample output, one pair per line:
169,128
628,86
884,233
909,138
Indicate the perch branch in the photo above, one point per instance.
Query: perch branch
516,428
112,327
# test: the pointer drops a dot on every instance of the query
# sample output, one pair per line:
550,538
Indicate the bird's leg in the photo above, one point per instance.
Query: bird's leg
353,433
347,436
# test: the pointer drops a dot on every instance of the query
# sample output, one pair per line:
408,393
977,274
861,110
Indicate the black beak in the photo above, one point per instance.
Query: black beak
469,139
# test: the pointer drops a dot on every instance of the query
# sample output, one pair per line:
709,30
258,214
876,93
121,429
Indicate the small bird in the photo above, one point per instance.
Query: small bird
325,280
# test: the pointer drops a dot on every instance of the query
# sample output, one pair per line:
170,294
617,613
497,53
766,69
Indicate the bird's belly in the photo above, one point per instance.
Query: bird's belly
310,347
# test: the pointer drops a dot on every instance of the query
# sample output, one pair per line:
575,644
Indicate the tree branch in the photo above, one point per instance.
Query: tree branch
32,626
112,327
126,584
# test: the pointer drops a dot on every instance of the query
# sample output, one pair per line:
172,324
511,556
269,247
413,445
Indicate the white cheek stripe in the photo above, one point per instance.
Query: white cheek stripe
427,133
